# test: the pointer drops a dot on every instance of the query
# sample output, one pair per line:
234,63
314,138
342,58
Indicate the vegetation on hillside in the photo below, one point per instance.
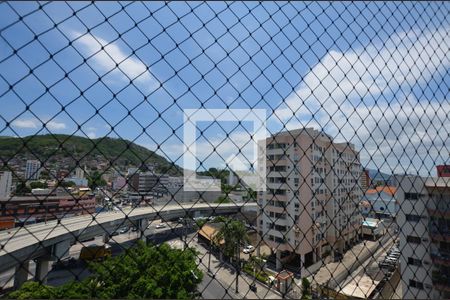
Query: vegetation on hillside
52,147
152,272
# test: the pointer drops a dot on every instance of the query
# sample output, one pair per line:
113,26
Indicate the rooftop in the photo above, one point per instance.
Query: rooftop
438,182
390,190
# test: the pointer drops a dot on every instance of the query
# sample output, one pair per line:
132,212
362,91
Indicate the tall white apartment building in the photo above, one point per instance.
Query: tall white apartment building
32,169
79,172
5,184
424,222
310,207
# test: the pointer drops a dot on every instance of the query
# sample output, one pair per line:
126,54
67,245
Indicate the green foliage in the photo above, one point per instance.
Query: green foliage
306,288
45,175
216,173
22,189
226,189
201,222
219,219
253,268
67,184
223,199
38,185
120,151
234,233
95,180
142,272
251,195
33,290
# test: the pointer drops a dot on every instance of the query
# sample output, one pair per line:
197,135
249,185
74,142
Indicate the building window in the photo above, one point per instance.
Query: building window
412,196
413,218
416,284
414,261
413,239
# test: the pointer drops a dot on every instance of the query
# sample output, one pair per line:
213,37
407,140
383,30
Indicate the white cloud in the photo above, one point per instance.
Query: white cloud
53,125
25,123
112,54
350,95
91,135
403,60
34,123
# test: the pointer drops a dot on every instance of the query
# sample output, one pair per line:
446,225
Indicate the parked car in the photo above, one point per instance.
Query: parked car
161,225
124,230
248,249
68,262
134,229
338,257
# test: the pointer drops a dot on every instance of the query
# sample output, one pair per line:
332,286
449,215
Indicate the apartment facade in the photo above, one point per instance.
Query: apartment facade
424,220
32,169
365,180
5,184
311,206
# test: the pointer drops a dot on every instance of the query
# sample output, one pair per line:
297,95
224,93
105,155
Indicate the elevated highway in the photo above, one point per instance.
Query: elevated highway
46,242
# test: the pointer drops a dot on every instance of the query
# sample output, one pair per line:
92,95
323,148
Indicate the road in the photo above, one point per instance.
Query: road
219,286
28,242
58,277
211,288
334,273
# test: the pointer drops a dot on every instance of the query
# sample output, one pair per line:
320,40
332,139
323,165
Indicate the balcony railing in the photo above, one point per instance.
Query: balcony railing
440,281
438,212
441,258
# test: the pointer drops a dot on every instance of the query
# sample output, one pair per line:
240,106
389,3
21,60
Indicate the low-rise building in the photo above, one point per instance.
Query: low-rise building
379,202
443,170
373,228
55,204
77,181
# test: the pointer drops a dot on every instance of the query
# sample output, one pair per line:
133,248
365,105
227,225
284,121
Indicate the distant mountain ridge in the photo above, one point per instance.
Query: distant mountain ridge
376,175
60,146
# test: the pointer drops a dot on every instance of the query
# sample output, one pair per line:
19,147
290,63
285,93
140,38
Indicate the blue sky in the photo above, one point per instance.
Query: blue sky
372,73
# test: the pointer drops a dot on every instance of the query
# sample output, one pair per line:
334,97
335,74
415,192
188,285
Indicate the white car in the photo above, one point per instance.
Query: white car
159,226
248,249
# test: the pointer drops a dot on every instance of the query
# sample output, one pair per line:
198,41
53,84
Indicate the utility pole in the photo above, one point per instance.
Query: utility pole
237,267
209,257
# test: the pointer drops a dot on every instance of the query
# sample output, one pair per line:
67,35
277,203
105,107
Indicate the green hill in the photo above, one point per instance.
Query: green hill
54,148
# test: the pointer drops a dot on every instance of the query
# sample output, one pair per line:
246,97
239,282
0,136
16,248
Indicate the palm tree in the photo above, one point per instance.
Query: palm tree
234,234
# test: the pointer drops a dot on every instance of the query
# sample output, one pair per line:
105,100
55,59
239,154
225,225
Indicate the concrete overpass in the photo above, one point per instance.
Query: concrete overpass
47,242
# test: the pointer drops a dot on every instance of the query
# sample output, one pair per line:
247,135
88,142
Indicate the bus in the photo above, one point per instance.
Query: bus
95,252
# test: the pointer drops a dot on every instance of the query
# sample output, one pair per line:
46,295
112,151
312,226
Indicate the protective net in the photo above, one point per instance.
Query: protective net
224,150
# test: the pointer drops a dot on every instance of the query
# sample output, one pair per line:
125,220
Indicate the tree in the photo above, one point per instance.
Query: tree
234,234
22,189
306,288
67,184
95,180
45,175
251,195
223,199
141,272
38,185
